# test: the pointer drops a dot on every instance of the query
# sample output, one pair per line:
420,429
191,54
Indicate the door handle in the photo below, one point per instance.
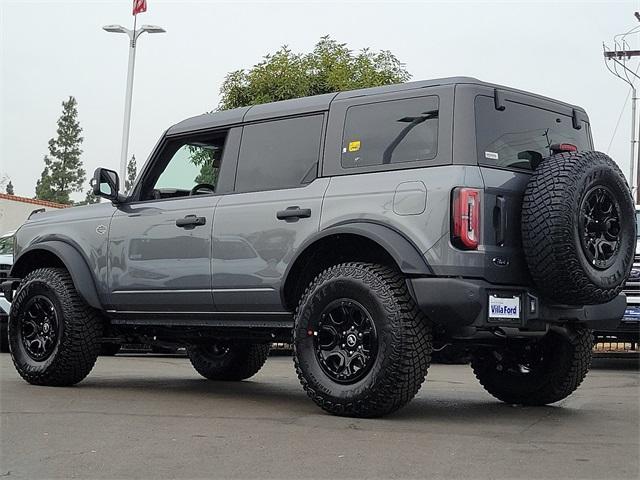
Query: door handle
293,214
190,221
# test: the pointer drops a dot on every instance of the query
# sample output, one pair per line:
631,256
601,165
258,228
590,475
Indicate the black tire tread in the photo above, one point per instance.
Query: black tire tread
80,343
548,219
413,344
560,381
245,361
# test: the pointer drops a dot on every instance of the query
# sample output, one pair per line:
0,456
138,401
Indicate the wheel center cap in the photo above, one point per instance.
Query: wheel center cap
45,328
352,340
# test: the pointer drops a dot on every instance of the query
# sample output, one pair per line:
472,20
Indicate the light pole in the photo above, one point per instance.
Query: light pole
133,38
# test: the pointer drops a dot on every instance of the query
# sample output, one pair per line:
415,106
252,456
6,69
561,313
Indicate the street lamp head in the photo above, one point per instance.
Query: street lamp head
114,29
152,29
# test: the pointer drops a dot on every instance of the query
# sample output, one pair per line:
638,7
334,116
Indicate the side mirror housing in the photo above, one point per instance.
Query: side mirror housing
106,184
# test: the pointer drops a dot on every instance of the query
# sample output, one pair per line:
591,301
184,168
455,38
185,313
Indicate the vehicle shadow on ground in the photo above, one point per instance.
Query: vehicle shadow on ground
434,406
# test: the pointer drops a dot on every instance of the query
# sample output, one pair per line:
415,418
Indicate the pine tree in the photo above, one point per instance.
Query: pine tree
63,173
132,172
9,188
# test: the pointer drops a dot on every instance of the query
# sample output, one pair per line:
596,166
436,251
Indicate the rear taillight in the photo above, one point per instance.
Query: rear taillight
466,218
563,147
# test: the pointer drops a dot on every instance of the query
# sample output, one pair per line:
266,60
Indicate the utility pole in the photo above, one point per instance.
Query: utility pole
619,57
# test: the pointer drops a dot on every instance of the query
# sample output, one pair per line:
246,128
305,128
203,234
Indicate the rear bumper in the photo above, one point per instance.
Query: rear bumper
460,306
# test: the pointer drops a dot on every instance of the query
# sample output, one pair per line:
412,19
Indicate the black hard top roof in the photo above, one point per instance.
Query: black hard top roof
317,103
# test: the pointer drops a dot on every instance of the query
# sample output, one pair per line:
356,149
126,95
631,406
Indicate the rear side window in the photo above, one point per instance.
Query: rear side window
279,154
396,131
521,134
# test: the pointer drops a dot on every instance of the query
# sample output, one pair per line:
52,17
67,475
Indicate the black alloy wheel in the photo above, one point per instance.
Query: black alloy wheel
600,227
345,341
39,328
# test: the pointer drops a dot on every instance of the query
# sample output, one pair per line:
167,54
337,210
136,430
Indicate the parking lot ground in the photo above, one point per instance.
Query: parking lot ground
154,417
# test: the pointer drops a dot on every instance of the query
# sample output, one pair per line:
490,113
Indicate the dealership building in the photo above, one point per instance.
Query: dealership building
14,210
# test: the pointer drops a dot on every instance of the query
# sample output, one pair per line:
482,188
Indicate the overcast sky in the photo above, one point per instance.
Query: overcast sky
52,49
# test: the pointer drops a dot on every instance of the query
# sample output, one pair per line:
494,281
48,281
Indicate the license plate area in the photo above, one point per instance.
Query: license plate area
504,308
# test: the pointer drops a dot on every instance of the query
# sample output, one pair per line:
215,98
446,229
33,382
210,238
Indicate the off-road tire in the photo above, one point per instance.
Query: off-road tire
241,360
566,362
551,236
80,329
403,339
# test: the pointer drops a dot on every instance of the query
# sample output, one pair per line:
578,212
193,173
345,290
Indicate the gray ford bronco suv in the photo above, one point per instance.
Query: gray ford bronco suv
369,228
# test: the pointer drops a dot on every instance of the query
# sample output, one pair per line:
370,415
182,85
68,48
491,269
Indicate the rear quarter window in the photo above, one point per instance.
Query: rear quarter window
519,134
395,131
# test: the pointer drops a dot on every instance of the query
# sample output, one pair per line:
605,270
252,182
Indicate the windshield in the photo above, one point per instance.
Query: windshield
6,246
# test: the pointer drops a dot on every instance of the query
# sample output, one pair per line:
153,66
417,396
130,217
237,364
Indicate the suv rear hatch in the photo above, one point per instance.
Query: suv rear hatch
513,135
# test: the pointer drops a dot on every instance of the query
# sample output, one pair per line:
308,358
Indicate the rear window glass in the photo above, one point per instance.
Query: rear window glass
520,134
396,131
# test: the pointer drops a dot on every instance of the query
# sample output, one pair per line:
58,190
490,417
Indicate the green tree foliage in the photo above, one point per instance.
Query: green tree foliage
89,199
132,173
63,173
205,159
9,188
329,67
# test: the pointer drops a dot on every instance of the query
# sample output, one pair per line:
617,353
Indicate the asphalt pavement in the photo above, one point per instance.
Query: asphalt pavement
154,417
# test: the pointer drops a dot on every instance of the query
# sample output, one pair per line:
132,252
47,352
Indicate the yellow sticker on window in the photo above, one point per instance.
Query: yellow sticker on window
354,146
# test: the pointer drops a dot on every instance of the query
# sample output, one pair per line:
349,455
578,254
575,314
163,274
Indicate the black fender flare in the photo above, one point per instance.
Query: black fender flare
74,262
403,251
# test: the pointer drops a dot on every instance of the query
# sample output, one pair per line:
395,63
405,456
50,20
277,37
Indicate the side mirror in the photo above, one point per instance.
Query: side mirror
105,183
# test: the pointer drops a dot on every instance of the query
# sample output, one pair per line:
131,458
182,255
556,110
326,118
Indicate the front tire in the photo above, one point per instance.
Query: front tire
361,346
54,336
535,374
230,362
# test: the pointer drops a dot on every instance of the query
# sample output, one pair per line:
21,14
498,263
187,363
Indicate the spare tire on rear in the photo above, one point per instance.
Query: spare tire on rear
578,228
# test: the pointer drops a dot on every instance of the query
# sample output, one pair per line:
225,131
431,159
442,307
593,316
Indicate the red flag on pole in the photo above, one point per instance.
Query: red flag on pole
139,6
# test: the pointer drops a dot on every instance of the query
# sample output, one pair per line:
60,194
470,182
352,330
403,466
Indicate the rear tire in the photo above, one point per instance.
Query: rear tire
53,334
535,374
230,362
354,305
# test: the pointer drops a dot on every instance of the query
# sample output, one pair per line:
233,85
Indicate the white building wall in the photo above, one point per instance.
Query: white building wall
14,213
